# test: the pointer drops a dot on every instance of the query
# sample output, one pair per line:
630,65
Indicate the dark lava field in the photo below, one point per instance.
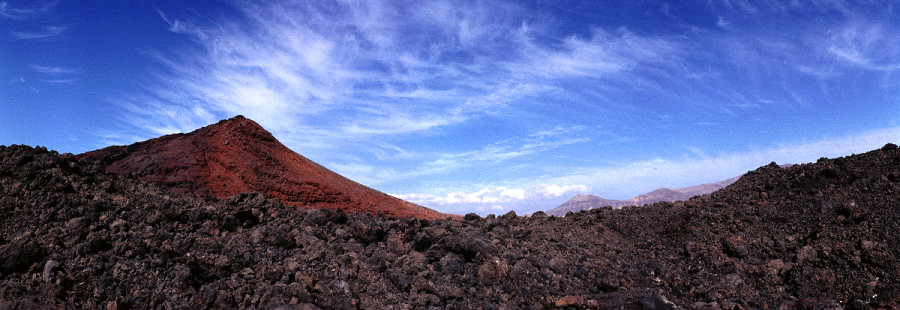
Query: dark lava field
823,235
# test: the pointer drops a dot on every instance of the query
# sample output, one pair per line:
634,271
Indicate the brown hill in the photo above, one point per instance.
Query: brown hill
238,156
588,202
659,194
704,189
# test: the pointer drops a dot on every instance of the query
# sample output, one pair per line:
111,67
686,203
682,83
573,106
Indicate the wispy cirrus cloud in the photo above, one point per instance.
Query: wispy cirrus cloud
603,53
441,163
49,70
505,150
397,122
46,32
868,46
60,81
30,10
364,66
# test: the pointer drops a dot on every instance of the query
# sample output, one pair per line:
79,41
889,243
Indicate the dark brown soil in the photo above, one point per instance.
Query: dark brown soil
814,236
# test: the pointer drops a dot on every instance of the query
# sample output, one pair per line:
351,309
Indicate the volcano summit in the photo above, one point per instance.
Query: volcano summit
236,156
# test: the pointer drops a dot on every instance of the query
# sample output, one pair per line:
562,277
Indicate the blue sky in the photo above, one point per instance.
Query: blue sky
468,106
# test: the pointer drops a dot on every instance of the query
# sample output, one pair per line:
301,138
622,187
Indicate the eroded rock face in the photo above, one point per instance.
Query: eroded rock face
238,156
819,235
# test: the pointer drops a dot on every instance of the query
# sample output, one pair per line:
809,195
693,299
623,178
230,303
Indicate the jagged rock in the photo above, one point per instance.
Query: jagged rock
492,270
735,246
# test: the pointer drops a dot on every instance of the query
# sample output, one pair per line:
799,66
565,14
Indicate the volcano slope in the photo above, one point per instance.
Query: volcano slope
814,236
236,156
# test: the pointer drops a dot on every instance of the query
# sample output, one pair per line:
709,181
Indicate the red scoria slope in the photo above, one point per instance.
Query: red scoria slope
237,156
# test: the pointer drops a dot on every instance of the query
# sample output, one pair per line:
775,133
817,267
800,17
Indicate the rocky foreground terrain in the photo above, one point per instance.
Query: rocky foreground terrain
815,236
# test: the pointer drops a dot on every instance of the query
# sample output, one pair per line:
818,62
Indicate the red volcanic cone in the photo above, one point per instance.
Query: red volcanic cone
237,156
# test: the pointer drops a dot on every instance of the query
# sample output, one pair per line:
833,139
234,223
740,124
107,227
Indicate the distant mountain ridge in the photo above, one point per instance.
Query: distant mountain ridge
588,201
